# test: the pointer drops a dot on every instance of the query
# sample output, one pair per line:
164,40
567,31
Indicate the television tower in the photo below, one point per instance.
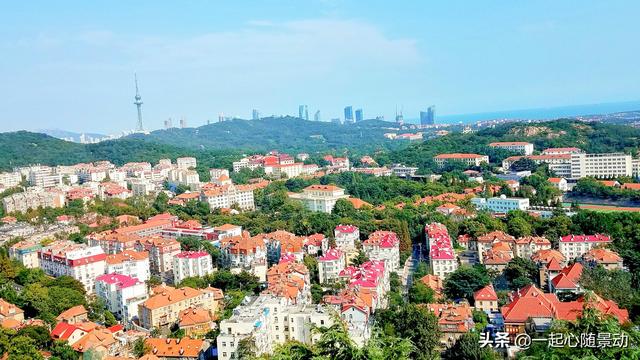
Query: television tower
138,103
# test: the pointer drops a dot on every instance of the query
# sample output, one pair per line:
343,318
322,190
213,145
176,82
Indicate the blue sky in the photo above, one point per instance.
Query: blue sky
70,64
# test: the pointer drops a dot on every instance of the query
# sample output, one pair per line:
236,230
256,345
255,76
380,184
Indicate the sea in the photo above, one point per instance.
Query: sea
540,113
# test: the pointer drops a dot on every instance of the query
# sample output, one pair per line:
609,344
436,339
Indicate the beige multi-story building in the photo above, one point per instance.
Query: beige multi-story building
522,147
10,179
186,163
26,252
526,246
80,261
320,197
606,165
32,199
226,196
164,306
161,253
465,159
285,170
44,177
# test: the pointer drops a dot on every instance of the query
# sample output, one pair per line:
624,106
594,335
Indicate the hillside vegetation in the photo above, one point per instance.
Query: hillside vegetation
287,134
591,137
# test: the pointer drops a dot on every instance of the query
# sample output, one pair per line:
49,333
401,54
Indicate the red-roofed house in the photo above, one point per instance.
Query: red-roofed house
567,280
384,246
346,237
560,183
454,320
609,259
486,299
435,283
530,306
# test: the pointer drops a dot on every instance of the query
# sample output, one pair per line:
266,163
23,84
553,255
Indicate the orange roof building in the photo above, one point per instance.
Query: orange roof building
184,349
74,315
165,305
609,259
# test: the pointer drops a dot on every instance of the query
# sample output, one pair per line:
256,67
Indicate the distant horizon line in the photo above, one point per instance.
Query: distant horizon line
512,114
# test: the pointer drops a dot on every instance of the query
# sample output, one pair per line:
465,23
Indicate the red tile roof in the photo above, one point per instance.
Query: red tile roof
487,293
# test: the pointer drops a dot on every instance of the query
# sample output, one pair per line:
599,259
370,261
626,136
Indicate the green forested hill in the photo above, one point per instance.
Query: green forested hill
283,133
218,144
591,137
23,148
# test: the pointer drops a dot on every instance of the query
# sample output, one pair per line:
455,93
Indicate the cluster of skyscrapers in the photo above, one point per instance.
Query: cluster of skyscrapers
428,117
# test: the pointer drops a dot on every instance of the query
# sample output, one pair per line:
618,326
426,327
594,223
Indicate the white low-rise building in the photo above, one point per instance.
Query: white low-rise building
501,204
320,197
268,320
575,246
525,148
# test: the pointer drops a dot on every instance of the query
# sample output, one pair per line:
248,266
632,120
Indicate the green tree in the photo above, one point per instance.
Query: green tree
520,272
419,293
463,282
467,347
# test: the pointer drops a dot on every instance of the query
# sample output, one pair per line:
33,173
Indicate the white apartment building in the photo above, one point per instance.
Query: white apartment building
10,179
32,199
320,197
383,246
191,263
121,294
560,164
130,263
44,177
81,262
529,245
466,159
227,196
285,170
606,165
346,237
521,147
574,246
330,264
26,252
501,204
269,321
186,163
184,177
142,187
